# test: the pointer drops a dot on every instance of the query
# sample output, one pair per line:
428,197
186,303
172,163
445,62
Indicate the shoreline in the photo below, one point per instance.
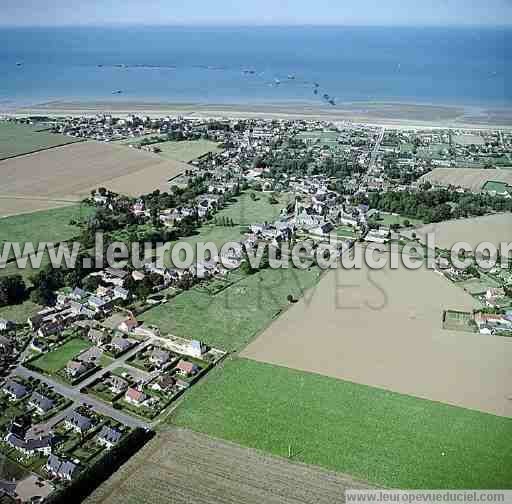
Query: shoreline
392,115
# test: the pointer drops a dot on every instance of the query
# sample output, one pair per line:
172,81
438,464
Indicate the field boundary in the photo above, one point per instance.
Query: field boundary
81,140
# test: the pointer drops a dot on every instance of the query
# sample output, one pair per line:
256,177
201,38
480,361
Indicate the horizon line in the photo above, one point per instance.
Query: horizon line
254,25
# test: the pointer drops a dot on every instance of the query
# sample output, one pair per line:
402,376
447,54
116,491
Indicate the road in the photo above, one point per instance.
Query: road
375,151
73,392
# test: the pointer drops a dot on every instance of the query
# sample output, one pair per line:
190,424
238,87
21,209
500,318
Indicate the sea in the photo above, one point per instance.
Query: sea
257,65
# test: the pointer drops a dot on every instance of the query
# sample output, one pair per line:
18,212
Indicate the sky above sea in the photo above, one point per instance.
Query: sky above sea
257,65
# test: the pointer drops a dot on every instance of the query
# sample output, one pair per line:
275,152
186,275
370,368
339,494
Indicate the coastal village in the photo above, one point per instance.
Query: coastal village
87,371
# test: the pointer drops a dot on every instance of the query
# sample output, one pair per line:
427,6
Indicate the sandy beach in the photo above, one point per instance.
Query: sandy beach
390,115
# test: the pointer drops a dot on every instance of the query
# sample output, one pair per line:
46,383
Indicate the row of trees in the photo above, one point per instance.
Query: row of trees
437,205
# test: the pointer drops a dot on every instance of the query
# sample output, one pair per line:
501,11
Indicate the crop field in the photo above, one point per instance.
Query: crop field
18,139
168,468
52,361
489,228
229,319
71,172
375,435
187,150
469,178
377,327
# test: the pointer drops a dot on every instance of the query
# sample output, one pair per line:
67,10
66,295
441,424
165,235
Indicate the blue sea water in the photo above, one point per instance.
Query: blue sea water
464,66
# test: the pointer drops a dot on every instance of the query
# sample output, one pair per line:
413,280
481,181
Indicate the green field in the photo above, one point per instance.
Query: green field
52,361
18,139
27,272
499,187
231,318
185,150
19,313
325,138
345,231
386,219
459,321
44,226
206,234
244,211
478,285
379,436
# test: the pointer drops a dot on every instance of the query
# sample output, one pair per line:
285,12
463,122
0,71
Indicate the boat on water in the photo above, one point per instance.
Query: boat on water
119,91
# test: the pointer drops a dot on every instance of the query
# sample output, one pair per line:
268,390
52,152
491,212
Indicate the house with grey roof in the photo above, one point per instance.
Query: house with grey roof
41,403
121,345
30,447
61,468
78,422
159,357
109,437
14,390
6,324
116,384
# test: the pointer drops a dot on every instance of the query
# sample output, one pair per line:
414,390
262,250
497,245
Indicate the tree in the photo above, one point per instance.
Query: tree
12,290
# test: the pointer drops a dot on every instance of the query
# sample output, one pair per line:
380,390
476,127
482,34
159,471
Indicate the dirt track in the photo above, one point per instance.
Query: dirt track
181,466
383,329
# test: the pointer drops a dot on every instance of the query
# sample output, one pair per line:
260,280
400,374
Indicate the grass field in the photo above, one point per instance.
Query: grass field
231,318
20,312
187,150
480,285
375,435
244,211
499,187
345,231
27,272
328,138
387,219
459,321
52,361
209,233
18,139
45,226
